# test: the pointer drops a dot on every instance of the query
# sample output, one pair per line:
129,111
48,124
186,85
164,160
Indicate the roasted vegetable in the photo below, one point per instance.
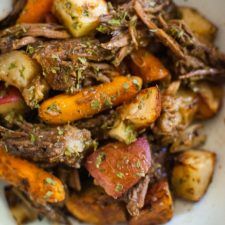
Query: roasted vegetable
158,207
11,102
210,99
199,25
64,108
19,70
35,11
148,66
192,174
21,210
79,16
95,207
41,187
138,114
117,167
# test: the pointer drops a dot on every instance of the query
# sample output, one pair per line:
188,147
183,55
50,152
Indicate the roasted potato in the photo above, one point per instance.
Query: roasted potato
21,209
117,167
202,27
65,108
39,185
138,114
192,174
95,207
144,109
19,70
178,111
158,207
147,66
11,102
79,16
211,96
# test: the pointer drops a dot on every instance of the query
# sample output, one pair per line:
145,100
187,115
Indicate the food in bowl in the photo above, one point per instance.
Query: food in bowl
102,105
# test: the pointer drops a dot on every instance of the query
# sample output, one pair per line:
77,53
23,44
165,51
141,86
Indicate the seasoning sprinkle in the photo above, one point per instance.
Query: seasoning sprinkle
100,158
119,187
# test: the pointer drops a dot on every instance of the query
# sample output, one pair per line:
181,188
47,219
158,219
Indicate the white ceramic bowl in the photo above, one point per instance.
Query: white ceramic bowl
211,209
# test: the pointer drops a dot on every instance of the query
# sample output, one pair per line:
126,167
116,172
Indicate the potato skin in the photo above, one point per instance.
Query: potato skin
11,101
79,16
201,26
41,187
158,207
210,99
64,108
117,167
95,207
192,174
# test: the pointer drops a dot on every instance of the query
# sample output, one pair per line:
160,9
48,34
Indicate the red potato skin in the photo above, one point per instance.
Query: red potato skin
121,167
9,94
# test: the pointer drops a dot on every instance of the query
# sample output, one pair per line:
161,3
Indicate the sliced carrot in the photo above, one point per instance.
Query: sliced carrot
42,187
35,11
148,66
65,108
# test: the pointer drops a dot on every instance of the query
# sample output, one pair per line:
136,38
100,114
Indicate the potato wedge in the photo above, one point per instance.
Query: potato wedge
40,186
117,167
158,207
19,70
202,27
95,207
138,114
79,16
64,108
192,174
211,97
144,109
148,66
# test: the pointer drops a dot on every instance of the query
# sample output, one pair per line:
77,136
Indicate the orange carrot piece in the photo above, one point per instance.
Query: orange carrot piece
65,108
148,66
35,11
41,186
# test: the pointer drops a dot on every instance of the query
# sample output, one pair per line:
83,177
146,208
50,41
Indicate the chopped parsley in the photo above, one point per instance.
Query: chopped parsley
85,12
102,29
82,60
119,187
100,158
12,66
95,104
54,108
126,86
114,22
48,194
30,49
108,103
22,71
120,175
32,138
50,181
60,131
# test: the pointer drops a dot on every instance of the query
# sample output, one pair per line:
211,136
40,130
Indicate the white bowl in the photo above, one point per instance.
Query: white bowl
211,209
